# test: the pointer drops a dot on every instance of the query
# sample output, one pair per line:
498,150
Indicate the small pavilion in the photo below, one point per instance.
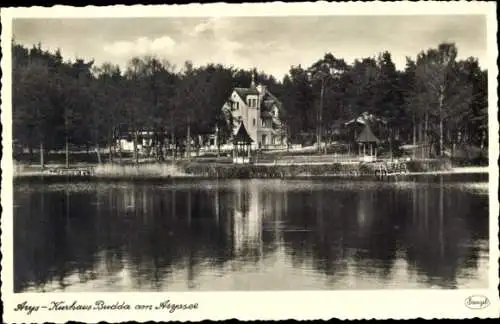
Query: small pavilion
367,144
241,146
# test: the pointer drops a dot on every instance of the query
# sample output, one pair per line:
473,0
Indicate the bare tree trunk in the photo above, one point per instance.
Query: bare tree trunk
426,132
110,154
217,140
320,114
441,101
452,142
136,155
188,144
390,149
414,134
98,151
421,138
172,136
120,153
42,162
30,152
67,152
174,147
111,144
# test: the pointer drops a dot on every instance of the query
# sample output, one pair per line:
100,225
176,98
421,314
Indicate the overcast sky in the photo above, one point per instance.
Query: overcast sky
271,44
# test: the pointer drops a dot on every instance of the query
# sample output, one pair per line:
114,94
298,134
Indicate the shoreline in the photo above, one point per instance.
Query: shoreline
171,173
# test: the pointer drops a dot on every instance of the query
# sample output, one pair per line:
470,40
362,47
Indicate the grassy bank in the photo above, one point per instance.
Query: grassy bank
215,170
147,170
108,171
293,171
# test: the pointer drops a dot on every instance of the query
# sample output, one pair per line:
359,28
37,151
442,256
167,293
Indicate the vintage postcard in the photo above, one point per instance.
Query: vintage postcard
254,161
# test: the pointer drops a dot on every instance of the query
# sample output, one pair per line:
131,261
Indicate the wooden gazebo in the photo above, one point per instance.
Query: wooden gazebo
367,143
241,145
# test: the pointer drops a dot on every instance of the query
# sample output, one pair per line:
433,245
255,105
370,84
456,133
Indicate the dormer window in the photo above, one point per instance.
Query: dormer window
252,103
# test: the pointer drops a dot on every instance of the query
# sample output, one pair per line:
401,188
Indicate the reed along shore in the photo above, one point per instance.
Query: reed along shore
204,170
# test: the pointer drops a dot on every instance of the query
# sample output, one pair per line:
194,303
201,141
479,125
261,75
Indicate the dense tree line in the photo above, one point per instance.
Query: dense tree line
436,100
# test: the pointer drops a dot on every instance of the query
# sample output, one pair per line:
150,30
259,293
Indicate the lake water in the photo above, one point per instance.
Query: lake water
429,232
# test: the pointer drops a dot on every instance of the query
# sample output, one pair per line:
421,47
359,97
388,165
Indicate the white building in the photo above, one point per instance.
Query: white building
259,110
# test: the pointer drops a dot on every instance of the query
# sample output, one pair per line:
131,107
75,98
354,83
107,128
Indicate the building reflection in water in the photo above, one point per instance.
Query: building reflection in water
244,234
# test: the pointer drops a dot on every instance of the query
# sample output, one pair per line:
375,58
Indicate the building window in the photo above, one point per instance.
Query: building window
252,103
254,121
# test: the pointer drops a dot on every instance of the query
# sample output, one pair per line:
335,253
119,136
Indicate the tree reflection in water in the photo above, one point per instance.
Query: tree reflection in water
137,236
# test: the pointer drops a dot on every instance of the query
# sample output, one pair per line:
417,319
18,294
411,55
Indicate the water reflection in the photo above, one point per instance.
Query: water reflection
250,235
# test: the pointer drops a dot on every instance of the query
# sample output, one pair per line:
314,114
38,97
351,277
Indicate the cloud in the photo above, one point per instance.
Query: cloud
210,25
269,43
141,46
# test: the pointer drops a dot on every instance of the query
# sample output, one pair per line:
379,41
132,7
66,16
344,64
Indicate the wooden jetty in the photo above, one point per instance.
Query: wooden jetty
75,171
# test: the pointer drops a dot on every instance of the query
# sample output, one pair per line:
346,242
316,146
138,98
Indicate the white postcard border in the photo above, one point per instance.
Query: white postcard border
380,304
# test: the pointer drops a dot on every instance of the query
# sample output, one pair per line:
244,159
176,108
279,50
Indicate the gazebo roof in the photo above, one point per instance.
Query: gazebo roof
241,136
367,136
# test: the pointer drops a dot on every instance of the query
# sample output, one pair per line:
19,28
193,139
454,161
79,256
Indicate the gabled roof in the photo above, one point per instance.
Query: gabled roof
241,136
267,99
273,97
269,103
367,136
366,118
244,92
